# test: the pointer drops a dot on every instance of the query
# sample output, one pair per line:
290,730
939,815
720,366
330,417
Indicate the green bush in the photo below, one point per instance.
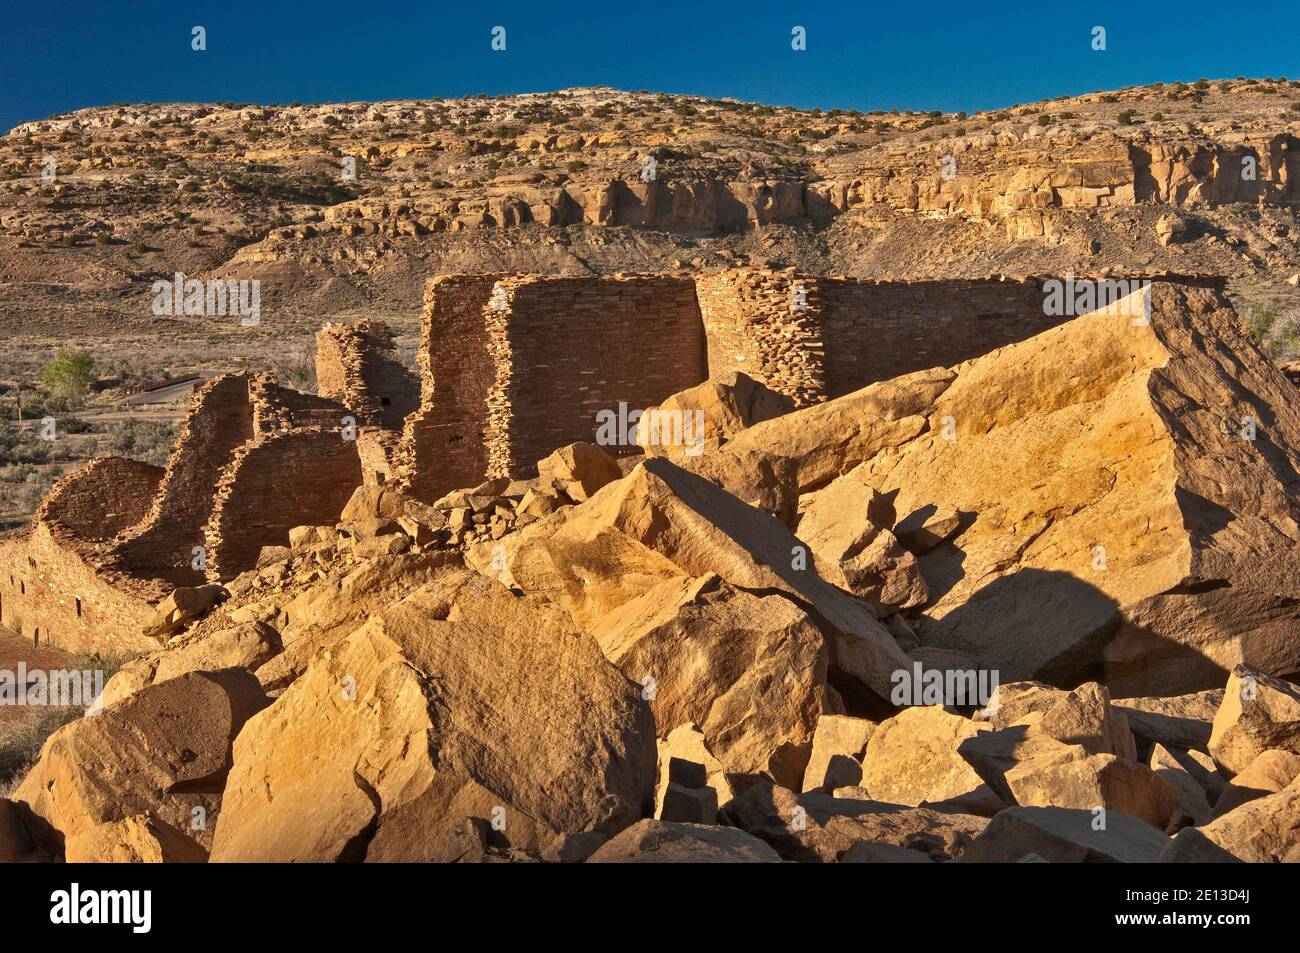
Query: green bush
68,376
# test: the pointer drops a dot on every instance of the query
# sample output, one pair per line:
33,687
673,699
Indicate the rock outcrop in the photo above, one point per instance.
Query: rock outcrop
431,713
1125,485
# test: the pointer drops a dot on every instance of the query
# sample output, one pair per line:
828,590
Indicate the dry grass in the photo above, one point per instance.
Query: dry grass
23,735
24,730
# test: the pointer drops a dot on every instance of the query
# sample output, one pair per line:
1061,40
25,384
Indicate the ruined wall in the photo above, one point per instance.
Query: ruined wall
568,348
50,589
357,365
816,338
50,594
303,477
765,324
443,442
156,555
277,408
101,499
253,460
876,330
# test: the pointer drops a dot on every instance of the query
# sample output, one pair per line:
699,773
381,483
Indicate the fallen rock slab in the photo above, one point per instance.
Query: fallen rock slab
818,827
1265,830
137,839
839,744
1258,713
163,752
749,670
662,842
913,757
463,700
1270,772
1064,836
661,521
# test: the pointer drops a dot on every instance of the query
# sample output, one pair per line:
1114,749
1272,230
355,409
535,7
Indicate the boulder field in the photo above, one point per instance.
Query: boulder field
1038,606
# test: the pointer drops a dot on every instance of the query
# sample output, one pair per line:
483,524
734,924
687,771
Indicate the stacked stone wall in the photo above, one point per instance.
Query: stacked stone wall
297,478
357,366
444,441
158,554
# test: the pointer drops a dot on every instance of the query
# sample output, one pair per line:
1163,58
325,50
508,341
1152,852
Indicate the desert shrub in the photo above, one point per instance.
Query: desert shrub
1261,323
145,440
68,376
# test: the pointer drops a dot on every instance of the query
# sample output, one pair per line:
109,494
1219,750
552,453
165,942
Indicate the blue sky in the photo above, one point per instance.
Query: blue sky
865,55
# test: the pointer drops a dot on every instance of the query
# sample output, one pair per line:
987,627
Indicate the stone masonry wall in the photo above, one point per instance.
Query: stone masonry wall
817,338
53,596
49,589
277,408
157,555
765,324
443,441
296,478
577,346
356,365
100,500
875,330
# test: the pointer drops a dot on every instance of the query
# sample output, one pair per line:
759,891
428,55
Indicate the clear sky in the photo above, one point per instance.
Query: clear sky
57,55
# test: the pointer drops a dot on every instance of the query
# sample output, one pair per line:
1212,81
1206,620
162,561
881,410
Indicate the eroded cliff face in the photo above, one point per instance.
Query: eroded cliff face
1030,184
345,207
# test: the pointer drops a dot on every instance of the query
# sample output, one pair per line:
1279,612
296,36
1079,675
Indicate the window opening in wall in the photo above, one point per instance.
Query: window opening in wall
78,607
22,588
36,636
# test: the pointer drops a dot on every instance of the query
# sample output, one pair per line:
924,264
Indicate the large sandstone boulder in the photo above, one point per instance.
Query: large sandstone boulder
1193,803
719,409
182,607
913,757
847,526
164,752
1126,484
821,442
325,611
579,470
1269,773
749,670
662,522
663,842
138,839
1049,774
1063,836
247,645
839,745
1265,830
1258,713
819,827
1071,750
685,747
463,700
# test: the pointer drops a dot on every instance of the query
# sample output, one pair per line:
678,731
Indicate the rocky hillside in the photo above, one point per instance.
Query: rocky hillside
345,209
